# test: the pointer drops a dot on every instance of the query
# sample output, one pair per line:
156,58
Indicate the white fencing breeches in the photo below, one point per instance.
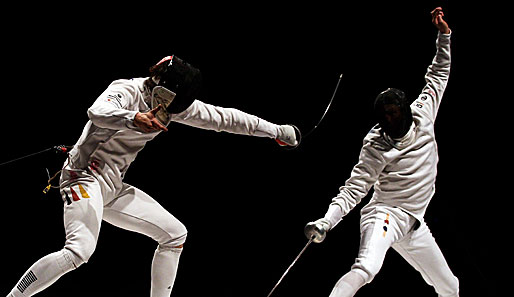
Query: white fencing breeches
84,210
385,227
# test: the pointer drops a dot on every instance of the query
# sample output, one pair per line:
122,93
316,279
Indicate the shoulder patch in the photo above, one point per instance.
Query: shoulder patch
114,98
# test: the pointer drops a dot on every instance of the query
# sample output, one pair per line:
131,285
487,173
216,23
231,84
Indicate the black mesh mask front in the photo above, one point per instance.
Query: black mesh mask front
393,113
181,78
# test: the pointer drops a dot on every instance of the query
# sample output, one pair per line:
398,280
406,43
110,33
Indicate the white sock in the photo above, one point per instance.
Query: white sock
43,273
164,270
348,285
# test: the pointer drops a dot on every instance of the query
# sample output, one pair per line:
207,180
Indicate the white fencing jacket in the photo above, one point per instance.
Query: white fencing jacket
110,141
402,171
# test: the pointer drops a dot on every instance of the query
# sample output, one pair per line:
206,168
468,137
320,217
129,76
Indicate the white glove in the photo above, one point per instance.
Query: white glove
317,229
288,136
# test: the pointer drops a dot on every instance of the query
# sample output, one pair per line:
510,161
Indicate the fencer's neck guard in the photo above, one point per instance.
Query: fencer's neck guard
177,77
393,113
403,142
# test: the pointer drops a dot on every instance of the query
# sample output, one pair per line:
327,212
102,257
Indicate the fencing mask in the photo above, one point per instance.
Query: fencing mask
393,113
178,85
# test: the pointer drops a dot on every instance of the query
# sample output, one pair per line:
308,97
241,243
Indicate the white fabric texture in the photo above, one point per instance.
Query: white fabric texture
402,172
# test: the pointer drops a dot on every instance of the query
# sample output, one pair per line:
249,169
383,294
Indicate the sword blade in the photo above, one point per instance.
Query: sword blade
292,264
328,107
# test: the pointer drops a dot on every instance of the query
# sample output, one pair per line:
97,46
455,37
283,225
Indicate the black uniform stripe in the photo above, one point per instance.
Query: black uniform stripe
26,281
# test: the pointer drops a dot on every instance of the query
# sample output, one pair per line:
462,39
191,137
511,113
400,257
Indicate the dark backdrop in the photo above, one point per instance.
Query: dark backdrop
244,199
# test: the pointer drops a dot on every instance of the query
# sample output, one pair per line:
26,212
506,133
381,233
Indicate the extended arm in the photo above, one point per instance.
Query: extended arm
439,71
210,117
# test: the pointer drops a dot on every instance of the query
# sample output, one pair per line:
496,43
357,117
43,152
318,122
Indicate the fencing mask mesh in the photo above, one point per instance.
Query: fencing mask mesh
393,113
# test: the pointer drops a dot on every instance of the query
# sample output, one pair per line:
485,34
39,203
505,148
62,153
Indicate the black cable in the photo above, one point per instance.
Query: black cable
58,149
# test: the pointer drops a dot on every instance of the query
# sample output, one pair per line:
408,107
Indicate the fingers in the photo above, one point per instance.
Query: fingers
155,109
437,15
436,11
148,122
153,125
158,126
438,21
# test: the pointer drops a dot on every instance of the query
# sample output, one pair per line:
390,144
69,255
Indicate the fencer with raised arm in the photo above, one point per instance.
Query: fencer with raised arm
399,159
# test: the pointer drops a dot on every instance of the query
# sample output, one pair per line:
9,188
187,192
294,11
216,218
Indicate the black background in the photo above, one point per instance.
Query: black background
244,199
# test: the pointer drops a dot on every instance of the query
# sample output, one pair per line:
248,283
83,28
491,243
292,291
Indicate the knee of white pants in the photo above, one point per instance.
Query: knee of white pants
174,241
366,269
79,253
175,235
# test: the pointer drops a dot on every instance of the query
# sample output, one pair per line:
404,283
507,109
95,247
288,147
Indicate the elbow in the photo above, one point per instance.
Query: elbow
95,117
92,115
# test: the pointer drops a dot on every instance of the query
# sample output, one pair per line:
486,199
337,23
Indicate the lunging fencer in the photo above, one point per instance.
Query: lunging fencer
399,159
127,115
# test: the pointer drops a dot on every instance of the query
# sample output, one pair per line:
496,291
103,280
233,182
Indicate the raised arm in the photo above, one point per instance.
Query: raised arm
439,71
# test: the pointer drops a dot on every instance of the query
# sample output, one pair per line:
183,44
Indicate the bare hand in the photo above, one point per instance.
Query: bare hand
437,20
147,121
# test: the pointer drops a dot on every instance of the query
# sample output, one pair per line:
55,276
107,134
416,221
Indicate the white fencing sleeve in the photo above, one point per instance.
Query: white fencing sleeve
108,111
436,78
210,117
364,175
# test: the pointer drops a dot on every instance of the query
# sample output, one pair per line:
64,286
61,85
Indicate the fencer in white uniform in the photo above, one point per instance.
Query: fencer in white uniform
121,122
399,159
